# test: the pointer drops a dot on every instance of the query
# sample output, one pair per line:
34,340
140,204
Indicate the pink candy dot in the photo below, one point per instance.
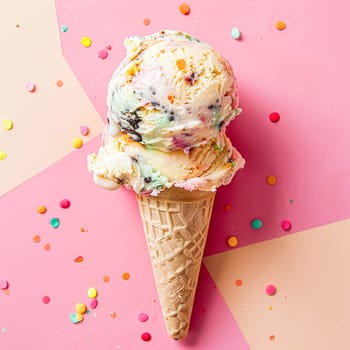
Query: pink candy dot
103,54
30,87
93,303
109,47
46,299
286,225
143,317
274,117
270,289
146,336
65,203
4,284
84,130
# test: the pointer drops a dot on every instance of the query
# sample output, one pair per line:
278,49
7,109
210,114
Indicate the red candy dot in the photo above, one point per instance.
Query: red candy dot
146,336
274,117
109,47
103,54
286,225
65,203
46,299
270,289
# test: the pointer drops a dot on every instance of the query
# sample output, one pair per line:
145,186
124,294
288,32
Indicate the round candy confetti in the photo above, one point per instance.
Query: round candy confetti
272,337
280,25
143,317
125,276
103,54
64,28
270,289
86,41
36,239
235,33
79,259
59,83
80,308
4,284
286,225
65,203
7,124
55,222
146,336
113,314
227,207
271,180
3,155
106,278
184,8
109,47
256,224
232,241
41,209
46,299
146,21
76,318
93,303
77,142
30,87
274,117
92,293
238,282
84,130
47,247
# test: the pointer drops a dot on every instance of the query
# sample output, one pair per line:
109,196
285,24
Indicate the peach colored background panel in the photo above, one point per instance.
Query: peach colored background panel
46,121
311,272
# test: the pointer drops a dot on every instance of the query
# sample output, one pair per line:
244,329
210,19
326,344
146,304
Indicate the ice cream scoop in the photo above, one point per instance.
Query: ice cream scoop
172,91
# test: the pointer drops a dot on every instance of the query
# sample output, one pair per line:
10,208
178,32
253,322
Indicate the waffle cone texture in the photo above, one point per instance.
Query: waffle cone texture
176,227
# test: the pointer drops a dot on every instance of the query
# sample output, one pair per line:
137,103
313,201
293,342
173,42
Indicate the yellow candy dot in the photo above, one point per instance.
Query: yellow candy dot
80,308
3,155
7,124
77,142
271,180
92,293
232,241
280,25
86,41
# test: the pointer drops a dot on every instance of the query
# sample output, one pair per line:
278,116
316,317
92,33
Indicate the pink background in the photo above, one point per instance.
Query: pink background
301,72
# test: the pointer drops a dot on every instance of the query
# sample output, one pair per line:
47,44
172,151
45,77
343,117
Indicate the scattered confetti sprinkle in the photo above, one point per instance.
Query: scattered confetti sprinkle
286,225
125,276
6,291
46,299
232,241
238,282
270,308
84,130
59,83
274,117
271,180
103,54
30,87
146,21
106,278
36,239
256,224
4,284
7,124
80,308
108,47
184,8
146,336
79,259
47,247
272,337
64,28
55,222
76,318
92,293
93,303
113,314
235,33
3,155
86,41
82,229
280,25
77,142
143,317
41,209
65,203
270,289
227,207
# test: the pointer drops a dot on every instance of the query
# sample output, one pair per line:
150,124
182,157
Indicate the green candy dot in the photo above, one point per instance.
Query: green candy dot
55,222
256,224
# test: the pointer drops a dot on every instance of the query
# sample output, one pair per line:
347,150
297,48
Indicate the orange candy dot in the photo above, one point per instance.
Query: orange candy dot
125,276
41,209
113,314
36,239
79,259
59,83
47,247
181,64
106,278
271,180
238,282
272,337
146,21
6,291
280,25
184,9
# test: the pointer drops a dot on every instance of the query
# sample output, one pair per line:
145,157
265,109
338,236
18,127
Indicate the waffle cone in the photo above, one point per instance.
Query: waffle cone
176,226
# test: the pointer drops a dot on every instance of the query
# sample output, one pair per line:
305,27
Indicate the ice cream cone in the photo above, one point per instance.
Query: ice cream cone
176,225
